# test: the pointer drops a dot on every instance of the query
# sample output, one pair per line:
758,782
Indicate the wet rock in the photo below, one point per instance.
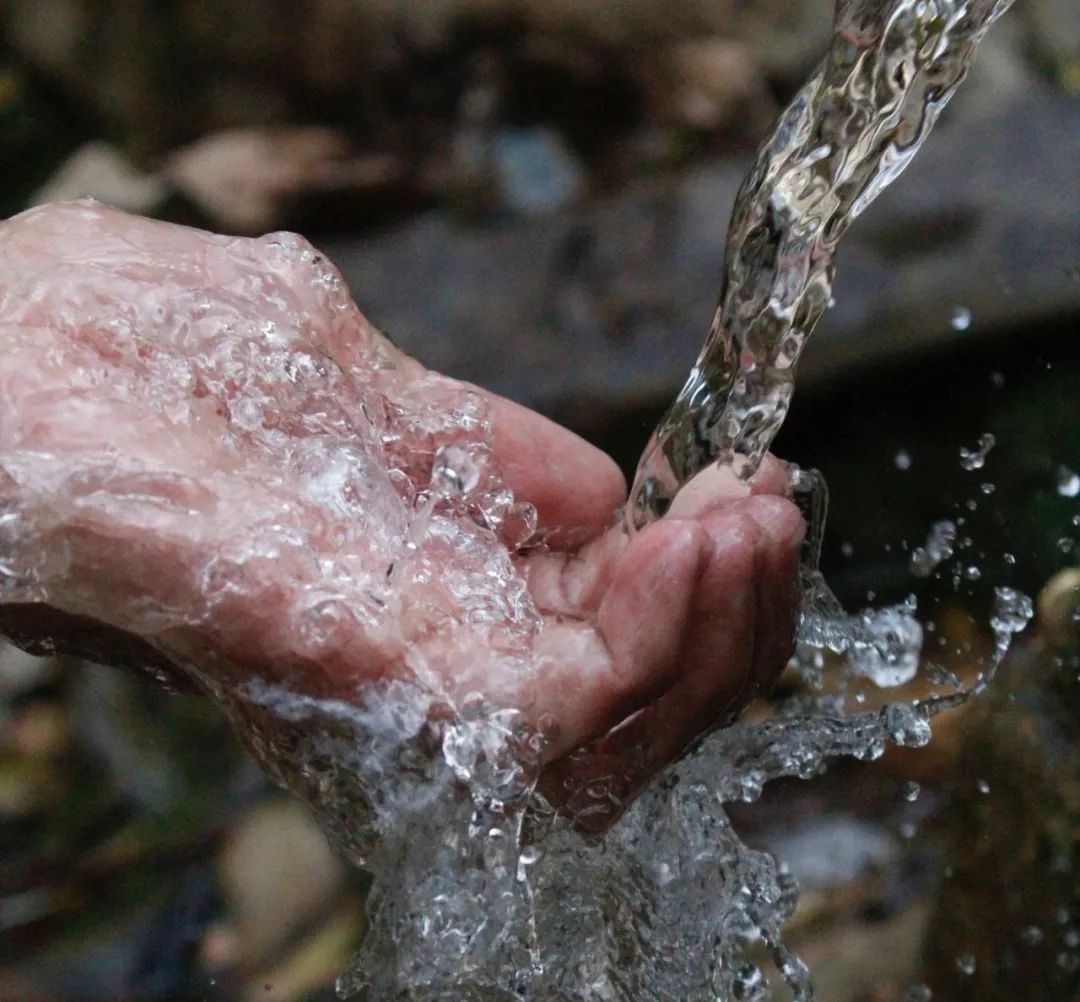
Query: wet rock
101,171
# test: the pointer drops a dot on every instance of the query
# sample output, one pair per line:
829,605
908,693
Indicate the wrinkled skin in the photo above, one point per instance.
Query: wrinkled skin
210,462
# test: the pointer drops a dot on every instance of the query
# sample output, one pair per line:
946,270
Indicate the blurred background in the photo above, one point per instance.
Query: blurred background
533,194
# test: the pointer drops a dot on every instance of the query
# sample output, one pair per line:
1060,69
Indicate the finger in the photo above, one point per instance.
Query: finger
593,678
574,583
743,620
719,485
574,486
777,583
718,649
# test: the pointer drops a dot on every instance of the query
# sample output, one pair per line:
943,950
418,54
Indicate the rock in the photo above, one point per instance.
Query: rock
20,672
314,964
1059,610
613,302
101,171
711,84
1053,30
828,851
536,172
254,180
1007,921
277,874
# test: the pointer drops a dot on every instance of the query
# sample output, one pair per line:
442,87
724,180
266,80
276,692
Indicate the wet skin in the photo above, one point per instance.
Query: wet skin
126,472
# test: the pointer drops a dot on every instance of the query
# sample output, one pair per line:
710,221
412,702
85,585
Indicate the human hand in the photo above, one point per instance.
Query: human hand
211,462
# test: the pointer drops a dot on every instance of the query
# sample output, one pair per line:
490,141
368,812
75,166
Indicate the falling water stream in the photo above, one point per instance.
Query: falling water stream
482,890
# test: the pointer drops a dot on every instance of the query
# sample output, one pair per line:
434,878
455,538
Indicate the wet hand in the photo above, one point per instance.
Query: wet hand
211,462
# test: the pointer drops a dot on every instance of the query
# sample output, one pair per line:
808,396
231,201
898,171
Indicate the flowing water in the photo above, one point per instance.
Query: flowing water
482,890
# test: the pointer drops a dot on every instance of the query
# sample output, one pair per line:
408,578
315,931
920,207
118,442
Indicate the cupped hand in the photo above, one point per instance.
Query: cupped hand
211,462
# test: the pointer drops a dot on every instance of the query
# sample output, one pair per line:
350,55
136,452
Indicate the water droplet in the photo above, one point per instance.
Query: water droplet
937,549
902,460
1012,610
965,963
1032,935
975,459
1068,482
961,318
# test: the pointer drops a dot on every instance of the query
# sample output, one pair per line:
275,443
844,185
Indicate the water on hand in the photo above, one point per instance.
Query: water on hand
481,890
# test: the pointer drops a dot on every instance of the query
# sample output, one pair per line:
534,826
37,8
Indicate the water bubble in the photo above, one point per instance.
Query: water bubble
937,549
918,993
887,645
908,830
965,963
1065,544
1009,558
997,379
911,791
1068,482
1068,961
988,488
907,725
1012,610
961,318
975,459
902,460
982,786
1032,935
846,549
972,573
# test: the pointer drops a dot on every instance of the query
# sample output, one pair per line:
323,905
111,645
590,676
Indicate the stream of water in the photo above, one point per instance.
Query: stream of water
481,889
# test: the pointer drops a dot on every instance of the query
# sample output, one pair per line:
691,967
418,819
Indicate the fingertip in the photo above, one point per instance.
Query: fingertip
771,478
778,519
